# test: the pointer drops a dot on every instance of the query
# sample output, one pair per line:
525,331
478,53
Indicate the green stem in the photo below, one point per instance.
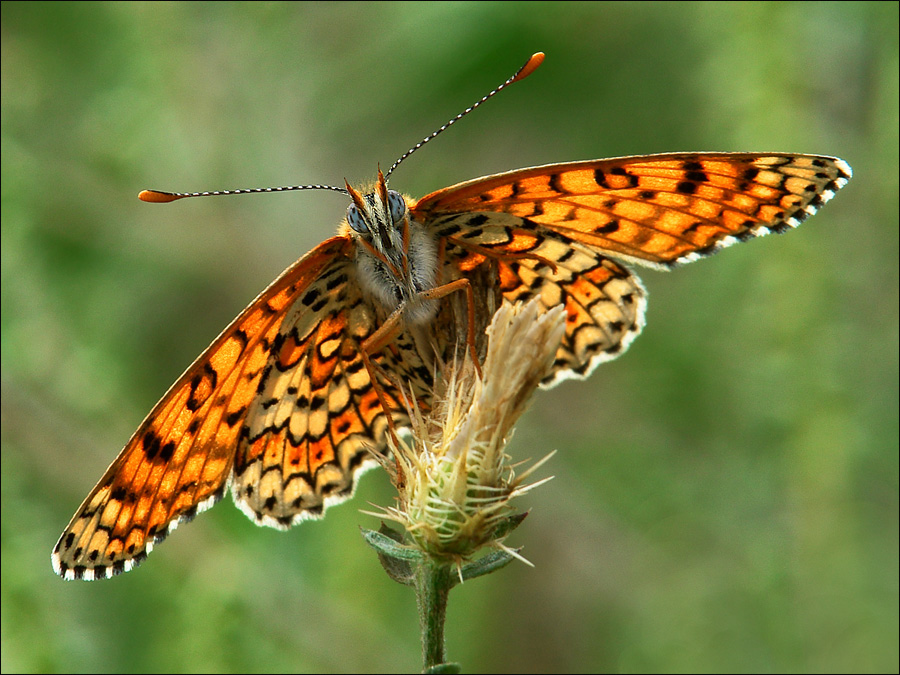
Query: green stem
433,582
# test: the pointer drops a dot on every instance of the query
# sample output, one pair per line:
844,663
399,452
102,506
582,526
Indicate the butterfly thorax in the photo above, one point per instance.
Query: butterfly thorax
396,256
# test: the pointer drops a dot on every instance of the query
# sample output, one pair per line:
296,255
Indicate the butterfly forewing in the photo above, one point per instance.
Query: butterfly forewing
180,460
659,210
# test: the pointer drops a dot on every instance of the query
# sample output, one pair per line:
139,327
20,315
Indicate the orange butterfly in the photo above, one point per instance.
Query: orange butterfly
295,398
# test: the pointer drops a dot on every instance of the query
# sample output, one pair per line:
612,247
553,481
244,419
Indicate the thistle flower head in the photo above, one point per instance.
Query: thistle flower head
456,478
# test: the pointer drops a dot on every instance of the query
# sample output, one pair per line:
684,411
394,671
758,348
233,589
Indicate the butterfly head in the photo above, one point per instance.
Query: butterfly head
397,258
380,220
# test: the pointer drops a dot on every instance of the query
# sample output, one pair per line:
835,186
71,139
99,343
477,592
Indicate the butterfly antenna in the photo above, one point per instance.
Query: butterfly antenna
523,72
160,197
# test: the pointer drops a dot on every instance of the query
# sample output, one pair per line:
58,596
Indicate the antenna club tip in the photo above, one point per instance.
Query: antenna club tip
157,197
530,66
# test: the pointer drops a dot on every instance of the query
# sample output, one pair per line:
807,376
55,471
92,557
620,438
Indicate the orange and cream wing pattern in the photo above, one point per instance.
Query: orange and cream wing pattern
296,343
656,210
316,419
554,229
604,301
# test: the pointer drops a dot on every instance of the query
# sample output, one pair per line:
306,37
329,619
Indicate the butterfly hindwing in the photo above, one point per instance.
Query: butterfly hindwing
604,301
317,419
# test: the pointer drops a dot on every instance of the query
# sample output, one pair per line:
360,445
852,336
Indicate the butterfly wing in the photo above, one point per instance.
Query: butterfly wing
604,301
657,210
217,420
317,418
552,227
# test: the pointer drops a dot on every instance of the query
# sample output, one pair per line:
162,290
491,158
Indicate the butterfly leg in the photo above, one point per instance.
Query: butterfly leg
451,287
390,329
373,344
443,290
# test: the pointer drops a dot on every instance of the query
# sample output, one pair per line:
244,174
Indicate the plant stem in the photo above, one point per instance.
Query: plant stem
433,582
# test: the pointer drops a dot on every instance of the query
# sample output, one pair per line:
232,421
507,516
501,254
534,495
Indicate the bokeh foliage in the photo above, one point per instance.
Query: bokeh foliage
726,494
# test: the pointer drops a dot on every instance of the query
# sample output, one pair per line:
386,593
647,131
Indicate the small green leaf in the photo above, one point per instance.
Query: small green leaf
389,546
485,565
394,557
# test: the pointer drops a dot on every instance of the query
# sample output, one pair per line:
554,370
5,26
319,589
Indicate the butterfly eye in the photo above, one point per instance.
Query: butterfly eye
356,220
397,206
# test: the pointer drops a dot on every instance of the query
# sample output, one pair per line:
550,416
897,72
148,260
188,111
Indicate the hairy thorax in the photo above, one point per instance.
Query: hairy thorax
409,274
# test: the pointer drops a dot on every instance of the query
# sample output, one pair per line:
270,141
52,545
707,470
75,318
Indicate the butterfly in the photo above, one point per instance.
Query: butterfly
295,398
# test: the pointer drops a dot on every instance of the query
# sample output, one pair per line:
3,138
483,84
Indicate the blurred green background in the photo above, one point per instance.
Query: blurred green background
726,494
